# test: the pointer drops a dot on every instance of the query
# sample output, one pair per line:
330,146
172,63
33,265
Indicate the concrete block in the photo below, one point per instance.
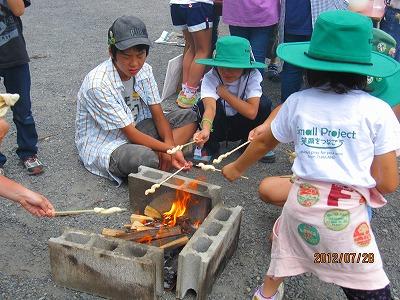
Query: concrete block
146,177
207,252
108,267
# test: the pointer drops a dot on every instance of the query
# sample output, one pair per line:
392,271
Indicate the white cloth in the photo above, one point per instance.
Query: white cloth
336,136
395,4
190,1
102,112
324,229
253,88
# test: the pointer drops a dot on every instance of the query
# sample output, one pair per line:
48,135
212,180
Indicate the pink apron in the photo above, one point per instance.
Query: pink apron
324,229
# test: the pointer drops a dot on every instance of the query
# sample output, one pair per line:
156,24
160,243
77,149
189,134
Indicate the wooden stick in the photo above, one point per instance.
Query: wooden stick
212,168
222,156
157,185
176,243
73,212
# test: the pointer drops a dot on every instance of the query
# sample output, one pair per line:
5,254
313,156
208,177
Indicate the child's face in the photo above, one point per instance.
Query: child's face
129,62
230,75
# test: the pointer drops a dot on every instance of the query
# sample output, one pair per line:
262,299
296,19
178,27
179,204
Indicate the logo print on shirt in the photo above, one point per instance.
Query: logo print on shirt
337,219
362,235
309,234
323,138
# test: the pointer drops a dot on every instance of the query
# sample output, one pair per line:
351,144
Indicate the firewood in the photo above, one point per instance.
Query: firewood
127,226
154,233
176,243
152,212
140,218
136,224
113,232
166,240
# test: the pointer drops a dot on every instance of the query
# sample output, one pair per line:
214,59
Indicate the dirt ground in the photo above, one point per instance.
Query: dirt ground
66,39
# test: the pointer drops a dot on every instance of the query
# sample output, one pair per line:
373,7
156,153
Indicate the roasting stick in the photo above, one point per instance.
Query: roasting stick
96,210
222,156
179,148
212,168
157,185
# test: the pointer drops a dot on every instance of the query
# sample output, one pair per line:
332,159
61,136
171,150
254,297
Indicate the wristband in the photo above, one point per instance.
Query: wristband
207,121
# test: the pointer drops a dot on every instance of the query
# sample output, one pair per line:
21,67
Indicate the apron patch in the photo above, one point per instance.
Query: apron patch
309,234
307,195
337,219
362,235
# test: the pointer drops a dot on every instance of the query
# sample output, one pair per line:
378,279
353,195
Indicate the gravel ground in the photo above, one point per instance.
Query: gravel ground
66,39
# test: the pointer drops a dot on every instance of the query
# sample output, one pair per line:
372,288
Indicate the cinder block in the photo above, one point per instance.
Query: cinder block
207,252
108,267
146,177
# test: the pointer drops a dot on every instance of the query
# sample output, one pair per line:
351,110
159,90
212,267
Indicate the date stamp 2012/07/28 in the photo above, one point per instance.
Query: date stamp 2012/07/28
343,257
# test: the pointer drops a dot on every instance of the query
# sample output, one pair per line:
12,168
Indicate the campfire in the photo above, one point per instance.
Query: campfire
166,226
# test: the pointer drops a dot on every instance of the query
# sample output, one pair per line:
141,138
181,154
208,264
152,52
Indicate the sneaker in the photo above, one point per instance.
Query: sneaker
269,157
184,102
278,295
33,165
202,155
2,173
273,73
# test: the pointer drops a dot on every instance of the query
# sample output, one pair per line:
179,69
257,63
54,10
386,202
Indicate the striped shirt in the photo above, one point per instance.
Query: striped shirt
317,7
102,112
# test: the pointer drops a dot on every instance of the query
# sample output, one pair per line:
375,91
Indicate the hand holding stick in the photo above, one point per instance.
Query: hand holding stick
157,185
179,148
97,210
222,156
212,168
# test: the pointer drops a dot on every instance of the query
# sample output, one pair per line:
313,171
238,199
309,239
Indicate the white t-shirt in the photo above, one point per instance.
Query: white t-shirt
253,88
190,1
337,136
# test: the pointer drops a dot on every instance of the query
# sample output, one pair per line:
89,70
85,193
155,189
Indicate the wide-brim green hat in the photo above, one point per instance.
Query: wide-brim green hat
387,88
340,42
232,52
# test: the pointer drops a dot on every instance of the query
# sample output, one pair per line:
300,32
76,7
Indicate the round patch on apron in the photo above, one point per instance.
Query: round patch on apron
307,195
362,235
337,219
309,234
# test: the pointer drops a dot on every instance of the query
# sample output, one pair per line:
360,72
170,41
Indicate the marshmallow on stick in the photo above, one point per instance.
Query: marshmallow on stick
179,148
222,156
96,210
212,168
157,185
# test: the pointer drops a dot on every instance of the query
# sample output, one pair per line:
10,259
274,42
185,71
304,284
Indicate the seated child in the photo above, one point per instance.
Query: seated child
232,100
346,142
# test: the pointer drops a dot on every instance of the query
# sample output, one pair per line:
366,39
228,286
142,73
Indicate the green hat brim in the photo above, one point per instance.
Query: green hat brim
294,53
227,64
391,94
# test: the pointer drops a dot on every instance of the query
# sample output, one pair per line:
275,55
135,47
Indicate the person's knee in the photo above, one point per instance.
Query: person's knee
4,128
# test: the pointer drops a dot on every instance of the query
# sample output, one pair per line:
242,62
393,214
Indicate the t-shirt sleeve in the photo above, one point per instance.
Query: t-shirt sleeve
253,88
209,86
105,109
386,131
280,126
149,87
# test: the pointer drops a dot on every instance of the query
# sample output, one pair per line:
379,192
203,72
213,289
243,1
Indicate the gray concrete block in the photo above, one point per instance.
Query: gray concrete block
207,252
108,267
146,177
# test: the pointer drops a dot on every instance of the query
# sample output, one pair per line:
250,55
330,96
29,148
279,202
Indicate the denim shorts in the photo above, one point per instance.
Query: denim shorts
193,17
391,25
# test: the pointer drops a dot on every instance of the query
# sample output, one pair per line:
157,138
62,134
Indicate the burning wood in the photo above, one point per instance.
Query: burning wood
152,212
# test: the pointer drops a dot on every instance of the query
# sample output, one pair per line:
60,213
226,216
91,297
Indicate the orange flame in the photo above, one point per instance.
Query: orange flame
145,240
179,206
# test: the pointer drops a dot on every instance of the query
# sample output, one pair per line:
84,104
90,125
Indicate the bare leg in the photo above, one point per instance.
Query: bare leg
4,127
183,134
202,46
274,190
189,55
270,286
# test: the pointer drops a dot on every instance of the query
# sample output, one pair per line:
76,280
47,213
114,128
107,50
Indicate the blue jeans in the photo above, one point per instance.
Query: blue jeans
17,80
291,76
391,25
259,38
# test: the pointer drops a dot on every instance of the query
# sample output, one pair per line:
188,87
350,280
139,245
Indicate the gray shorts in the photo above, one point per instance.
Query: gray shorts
127,158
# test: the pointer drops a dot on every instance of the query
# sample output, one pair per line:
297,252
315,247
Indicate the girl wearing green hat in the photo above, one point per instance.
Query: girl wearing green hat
346,142
232,100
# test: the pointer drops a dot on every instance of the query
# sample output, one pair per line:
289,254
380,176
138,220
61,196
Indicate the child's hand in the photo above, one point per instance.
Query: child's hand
230,172
179,161
164,161
223,91
37,204
201,137
258,131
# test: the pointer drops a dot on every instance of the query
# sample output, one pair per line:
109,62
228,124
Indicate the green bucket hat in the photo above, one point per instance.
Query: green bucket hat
340,42
385,88
232,52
